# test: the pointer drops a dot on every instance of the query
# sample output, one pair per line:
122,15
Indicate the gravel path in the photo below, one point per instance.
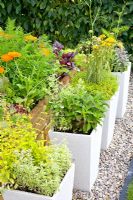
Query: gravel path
115,161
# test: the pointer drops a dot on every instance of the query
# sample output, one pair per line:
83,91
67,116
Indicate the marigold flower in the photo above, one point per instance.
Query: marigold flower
30,38
14,54
6,58
2,70
45,51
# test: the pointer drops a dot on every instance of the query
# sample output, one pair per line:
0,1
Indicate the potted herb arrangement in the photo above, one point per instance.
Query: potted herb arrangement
77,119
30,170
95,70
26,64
121,68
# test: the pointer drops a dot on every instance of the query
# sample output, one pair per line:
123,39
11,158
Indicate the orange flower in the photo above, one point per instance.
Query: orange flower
14,54
1,70
6,58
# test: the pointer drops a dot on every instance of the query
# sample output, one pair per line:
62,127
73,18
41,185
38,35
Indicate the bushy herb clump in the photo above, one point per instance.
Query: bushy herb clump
27,62
107,87
74,109
26,164
121,60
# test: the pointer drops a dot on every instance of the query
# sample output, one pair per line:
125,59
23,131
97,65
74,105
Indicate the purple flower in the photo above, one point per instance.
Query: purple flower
57,47
67,60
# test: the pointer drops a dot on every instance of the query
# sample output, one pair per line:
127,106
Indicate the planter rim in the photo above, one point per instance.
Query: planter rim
79,134
41,195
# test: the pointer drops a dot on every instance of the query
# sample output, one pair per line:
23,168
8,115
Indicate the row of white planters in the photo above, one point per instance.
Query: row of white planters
85,149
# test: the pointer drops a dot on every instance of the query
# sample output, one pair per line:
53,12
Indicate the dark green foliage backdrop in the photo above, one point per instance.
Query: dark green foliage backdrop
67,20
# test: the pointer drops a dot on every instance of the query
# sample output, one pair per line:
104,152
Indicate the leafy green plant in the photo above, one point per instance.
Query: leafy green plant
121,60
107,87
76,110
27,61
26,164
99,60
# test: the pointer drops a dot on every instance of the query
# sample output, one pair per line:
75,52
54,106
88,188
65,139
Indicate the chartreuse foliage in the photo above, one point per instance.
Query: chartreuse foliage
74,109
27,164
107,87
28,62
70,20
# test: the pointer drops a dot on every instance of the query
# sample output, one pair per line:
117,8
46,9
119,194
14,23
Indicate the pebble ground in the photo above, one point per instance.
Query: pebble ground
114,162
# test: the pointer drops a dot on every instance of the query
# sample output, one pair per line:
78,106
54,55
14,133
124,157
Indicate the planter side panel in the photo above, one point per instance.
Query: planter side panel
109,122
84,154
66,187
95,155
123,94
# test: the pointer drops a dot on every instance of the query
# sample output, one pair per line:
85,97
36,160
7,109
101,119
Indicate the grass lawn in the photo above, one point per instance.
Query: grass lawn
130,191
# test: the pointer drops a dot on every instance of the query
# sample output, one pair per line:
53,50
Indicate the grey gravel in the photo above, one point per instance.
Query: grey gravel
114,162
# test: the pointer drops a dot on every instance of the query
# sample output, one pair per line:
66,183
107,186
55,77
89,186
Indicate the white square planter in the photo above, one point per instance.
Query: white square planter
64,192
85,150
123,94
109,122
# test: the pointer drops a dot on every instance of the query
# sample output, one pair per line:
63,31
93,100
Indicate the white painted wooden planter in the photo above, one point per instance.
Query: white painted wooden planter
85,150
123,94
109,122
64,192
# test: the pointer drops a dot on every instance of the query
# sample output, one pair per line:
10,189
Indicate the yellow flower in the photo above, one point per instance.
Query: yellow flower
45,51
30,38
111,40
102,36
103,43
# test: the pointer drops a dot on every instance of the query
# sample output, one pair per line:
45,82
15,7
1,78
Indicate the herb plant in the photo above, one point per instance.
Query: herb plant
27,61
121,60
76,110
26,164
107,86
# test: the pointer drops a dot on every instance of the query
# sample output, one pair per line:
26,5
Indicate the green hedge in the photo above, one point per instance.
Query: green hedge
67,20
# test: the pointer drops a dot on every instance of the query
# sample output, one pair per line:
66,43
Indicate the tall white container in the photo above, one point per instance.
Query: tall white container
123,94
64,192
85,150
109,122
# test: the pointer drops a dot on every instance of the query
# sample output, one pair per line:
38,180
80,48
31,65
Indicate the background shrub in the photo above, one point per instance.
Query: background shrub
68,20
